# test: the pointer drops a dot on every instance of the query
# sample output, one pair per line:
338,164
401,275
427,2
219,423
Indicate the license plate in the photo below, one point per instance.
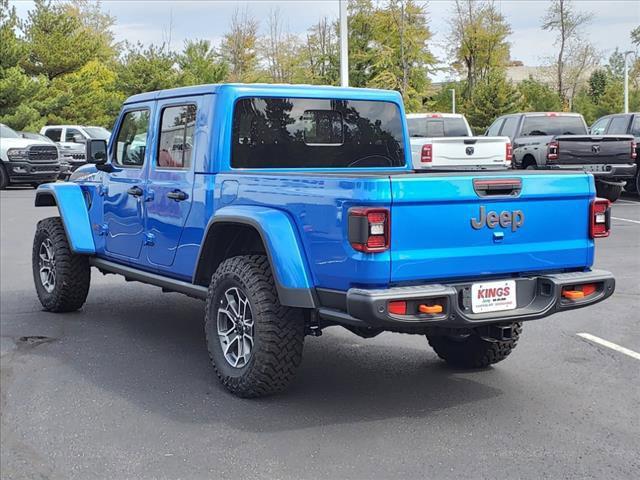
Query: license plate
493,296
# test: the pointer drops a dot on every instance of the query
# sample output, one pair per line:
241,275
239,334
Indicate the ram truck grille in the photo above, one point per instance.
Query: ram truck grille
43,153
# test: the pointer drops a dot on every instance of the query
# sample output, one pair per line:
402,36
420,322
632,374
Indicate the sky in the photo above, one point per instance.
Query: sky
150,21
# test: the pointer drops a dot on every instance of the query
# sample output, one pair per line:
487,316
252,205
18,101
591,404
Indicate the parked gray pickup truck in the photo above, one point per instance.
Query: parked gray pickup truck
620,124
550,140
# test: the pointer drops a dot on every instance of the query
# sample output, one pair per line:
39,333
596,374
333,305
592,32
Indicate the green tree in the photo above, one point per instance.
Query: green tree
402,57
494,96
478,41
147,69
12,49
361,41
538,96
320,54
199,63
88,96
279,50
597,84
239,47
59,41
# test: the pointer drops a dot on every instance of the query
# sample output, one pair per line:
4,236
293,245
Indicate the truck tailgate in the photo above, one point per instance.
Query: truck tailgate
545,227
585,149
461,151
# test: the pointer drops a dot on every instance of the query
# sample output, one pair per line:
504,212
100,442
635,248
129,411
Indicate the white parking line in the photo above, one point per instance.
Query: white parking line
608,344
627,202
626,220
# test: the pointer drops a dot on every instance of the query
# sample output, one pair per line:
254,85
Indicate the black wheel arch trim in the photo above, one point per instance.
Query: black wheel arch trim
291,297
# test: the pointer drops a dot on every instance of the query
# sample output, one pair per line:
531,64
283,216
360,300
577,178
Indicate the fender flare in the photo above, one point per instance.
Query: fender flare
69,199
282,244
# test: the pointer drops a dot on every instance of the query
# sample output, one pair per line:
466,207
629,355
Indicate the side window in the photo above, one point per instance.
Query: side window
73,135
509,127
600,127
618,126
131,142
175,147
53,133
635,128
495,127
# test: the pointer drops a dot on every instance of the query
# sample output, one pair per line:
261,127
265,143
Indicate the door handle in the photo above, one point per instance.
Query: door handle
177,195
135,191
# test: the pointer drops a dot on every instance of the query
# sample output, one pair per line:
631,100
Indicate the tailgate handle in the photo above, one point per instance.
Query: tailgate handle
510,187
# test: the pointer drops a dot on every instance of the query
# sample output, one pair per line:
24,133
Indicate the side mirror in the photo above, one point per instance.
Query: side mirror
96,151
77,138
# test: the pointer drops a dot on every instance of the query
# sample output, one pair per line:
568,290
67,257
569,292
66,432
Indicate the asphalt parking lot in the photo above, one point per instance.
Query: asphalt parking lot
124,389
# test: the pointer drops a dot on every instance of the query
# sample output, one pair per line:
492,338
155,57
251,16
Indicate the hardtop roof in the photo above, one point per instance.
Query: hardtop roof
271,90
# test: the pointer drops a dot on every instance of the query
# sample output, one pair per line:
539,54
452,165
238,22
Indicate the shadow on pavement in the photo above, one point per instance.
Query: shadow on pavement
148,348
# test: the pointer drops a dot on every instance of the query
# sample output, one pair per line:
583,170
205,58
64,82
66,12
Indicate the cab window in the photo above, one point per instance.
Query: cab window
494,129
600,127
131,142
618,126
175,147
509,127
53,133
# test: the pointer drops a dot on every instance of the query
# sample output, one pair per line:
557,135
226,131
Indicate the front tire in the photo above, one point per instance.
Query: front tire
608,191
255,344
61,277
473,351
4,178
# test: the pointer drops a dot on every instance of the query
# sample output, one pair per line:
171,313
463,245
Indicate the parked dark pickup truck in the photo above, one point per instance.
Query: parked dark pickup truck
552,140
620,124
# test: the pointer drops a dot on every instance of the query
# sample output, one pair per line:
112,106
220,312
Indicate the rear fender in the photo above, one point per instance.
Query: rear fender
283,248
69,199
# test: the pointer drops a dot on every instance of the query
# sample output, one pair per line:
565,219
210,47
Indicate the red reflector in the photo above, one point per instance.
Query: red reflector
572,294
600,214
376,217
588,289
397,307
427,153
376,241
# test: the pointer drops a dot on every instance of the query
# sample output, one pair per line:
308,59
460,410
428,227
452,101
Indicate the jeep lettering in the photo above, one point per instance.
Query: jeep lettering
504,219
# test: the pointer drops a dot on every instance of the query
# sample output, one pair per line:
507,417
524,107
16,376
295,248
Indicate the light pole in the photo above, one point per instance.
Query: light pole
453,100
626,80
344,45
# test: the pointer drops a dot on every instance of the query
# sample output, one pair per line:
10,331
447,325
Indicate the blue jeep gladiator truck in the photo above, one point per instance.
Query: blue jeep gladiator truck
289,209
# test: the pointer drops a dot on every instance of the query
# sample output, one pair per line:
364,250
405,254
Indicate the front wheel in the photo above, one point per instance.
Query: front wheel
608,191
472,350
4,178
61,277
255,344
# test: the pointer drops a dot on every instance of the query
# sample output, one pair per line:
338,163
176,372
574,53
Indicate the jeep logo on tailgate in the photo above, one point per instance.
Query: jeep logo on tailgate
492,219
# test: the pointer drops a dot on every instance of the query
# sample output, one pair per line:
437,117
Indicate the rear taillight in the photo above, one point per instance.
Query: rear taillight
634,150
600,218
508,155
552,151
427,153
369,229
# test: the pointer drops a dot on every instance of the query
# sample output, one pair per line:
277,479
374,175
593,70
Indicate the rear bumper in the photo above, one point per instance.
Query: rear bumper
537,297
623,171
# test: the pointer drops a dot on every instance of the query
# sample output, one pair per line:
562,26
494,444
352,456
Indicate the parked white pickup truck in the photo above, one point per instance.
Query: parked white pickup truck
445,140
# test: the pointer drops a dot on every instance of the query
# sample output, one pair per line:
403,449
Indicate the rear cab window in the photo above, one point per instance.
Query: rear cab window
543,125
430,127
618,125
316,133
53,133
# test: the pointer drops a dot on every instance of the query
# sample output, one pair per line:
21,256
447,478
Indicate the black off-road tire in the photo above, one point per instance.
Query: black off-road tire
473,351
278,331
72,272
608,191
4,178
